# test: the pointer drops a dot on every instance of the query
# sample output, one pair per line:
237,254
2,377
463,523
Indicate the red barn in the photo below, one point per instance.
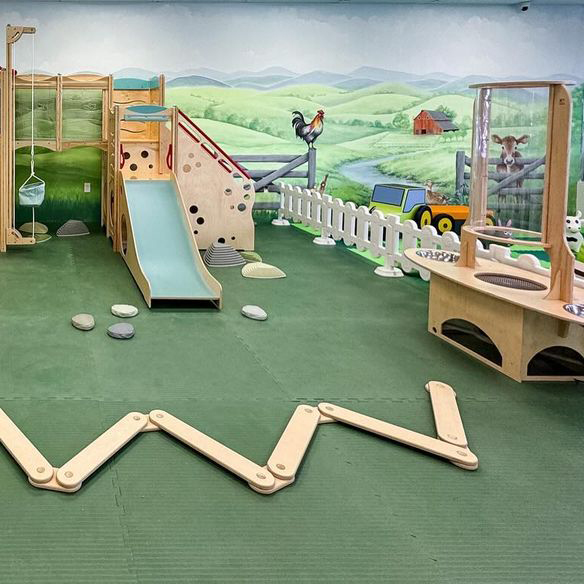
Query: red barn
433,122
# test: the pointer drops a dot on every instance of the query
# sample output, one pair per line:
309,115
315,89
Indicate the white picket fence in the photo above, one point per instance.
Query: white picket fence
337,220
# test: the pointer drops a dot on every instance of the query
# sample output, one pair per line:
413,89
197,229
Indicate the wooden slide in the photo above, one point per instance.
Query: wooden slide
159,247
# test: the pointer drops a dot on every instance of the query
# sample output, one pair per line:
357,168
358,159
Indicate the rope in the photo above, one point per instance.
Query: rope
32,112
32,126
35,194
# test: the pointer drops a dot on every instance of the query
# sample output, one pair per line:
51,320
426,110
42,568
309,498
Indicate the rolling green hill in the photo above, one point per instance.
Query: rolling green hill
358,128
374,104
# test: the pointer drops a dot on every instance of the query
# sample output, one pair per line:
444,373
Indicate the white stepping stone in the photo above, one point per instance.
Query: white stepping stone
124,310
254,312
121,330
262,271
83,322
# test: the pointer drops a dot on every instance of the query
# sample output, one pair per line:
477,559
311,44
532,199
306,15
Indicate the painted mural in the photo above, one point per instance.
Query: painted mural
263,79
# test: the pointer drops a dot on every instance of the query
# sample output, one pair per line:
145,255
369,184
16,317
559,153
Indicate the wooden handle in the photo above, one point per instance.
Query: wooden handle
289,451
217,452
88,460
455,454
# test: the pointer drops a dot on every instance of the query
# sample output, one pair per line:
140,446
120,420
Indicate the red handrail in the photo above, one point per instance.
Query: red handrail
211,141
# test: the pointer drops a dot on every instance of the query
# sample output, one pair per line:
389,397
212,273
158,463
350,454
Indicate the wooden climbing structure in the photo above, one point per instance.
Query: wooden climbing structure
218,193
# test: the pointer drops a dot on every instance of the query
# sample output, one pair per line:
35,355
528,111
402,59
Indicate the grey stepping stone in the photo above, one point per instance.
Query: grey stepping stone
254,312
222,255
124,310
72,228
83,322
121,330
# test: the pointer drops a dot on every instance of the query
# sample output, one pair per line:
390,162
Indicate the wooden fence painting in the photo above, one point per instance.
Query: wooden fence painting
523,205
264,179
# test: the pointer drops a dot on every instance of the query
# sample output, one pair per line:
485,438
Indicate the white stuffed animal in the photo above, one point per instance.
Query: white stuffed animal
573,234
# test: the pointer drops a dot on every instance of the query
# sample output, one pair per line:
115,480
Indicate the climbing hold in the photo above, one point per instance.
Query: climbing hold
83,322
124,310
121,330
254,312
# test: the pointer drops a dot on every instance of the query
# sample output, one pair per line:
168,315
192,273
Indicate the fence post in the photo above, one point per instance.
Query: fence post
311,168
326,211
389,269
460,168
280,221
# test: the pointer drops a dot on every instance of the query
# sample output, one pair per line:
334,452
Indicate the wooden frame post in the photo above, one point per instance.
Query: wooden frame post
8,235
554,200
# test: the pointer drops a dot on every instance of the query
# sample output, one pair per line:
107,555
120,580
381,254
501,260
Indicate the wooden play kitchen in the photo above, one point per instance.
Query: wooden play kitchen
525,324
280,469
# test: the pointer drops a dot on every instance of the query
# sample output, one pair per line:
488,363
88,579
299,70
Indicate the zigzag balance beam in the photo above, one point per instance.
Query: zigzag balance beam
280,469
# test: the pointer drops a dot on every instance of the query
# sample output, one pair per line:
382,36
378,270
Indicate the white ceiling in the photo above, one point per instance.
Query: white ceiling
430,2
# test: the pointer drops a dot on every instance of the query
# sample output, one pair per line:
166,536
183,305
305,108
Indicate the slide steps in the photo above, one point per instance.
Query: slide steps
281,467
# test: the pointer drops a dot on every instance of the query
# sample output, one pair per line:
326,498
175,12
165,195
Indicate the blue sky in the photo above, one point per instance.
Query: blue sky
496,41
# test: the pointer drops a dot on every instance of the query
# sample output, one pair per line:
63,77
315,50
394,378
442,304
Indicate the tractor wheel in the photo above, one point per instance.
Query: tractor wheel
423,216
443,223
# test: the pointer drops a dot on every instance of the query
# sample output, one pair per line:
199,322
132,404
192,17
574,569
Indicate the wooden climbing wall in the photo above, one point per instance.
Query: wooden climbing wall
218,195
141,160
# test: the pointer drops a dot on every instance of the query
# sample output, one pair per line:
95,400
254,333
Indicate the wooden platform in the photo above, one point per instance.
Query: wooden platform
519,323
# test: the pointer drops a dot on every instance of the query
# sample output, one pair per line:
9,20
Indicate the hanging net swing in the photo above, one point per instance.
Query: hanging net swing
32,191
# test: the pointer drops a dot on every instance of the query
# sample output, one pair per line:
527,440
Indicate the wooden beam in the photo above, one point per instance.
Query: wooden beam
88,460
59,113
456,454
515,176
446,415
290,449
217,452
298,161
30,460
264,157
259,173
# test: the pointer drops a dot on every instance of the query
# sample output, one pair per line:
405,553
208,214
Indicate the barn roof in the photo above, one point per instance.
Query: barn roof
442,120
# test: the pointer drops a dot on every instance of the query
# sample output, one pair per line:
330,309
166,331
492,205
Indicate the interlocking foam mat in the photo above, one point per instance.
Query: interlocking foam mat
362,509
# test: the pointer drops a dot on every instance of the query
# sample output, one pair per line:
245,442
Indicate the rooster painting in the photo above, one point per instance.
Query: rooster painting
308,132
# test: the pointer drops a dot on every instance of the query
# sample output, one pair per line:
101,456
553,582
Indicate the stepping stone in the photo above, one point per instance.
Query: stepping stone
254,312
83,322
39,228
251,256
72,228
124,310
261,270
120,330
222,255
